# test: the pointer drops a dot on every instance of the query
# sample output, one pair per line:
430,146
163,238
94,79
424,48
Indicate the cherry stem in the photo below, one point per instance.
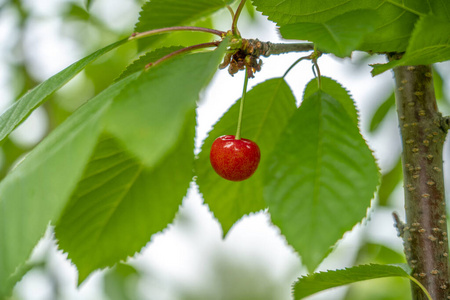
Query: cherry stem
241,108
140,35
234,29
187,49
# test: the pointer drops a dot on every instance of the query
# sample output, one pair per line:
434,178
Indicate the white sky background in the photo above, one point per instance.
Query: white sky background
181,256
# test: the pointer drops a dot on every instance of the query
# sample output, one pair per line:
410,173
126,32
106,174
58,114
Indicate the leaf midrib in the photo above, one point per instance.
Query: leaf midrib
319,163
118,202
316,12
267,110
405,8
333,36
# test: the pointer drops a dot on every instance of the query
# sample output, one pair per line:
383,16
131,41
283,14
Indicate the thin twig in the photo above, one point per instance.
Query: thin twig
398,224
445,123
187,49
140,35
281,48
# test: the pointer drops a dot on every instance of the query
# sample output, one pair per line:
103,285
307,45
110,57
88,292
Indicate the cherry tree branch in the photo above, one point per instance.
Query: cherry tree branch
281,48
424,233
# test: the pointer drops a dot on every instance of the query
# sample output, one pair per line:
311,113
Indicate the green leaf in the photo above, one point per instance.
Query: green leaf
36,191
333,88
389,288
77,11
120,203
268,106
396,19
430,43
139,64
23,107
381,112
88,4
148,116
167,13
316,282
340,35
440,9
321,177
250,9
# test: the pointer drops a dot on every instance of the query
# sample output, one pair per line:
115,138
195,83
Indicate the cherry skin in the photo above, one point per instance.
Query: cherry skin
232,159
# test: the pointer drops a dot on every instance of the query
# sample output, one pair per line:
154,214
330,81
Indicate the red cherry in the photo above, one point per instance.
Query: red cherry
233,159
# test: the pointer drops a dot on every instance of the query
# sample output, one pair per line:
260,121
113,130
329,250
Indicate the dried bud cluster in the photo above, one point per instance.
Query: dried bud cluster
246,56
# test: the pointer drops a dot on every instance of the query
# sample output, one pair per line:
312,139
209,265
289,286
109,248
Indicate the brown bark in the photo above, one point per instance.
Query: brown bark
423,131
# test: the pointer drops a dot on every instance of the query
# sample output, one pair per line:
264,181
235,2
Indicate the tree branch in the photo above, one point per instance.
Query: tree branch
281,48
425,232
267,48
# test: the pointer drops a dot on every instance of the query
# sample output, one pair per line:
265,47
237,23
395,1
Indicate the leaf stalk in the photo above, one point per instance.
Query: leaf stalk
421,287
234,28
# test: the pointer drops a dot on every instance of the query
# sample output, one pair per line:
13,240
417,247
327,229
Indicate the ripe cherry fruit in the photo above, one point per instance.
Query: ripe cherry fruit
234,159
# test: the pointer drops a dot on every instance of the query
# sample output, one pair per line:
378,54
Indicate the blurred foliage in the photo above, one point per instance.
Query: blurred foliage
389,181
238,280
121,283
380,289
381,112
90,33
378,254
